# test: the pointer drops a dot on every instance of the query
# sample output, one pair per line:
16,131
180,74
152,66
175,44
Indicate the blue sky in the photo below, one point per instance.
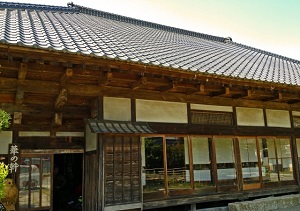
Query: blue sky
271,25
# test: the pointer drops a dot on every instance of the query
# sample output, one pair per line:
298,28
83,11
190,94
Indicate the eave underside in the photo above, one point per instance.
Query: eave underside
56,91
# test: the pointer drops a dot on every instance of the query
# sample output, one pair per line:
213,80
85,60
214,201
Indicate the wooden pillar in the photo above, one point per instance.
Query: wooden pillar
193,207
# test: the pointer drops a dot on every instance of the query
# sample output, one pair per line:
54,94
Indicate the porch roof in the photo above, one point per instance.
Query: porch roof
107,126
79,30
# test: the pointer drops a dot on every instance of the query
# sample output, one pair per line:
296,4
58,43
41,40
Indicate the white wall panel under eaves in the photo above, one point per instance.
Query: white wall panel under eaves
118,109
278,118
250,116
161,111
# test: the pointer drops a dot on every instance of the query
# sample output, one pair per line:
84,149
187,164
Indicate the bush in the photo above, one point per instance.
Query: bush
4,120
3,174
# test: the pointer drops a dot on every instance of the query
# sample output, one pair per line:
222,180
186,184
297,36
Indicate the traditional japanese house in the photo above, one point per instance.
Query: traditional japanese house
141,114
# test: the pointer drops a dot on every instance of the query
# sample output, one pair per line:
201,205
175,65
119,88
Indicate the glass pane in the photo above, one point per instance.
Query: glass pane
153,164
177,158
35,182
284,159
249,160
23,182
225,161
268,160
201,160
298,150
46,182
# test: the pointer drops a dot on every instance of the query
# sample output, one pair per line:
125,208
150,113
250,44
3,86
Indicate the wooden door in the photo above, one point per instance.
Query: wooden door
35,182
250,163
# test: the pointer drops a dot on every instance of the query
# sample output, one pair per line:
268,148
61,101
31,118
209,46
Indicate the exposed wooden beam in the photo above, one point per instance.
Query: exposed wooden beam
7,98
200,89
170,87
22,72
106,80
224,92
61,99
66,77
141,82
57,120
19,96
21,77
17,118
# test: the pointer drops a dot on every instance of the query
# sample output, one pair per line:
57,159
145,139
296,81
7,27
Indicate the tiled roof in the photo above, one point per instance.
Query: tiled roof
76,29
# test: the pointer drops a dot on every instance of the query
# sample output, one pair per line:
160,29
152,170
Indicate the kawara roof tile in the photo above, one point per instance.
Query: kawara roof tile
77,29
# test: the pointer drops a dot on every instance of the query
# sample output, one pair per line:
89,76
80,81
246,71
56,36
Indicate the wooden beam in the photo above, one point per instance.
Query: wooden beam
224,92
200,89
57,120
61,99
22,72
66,77
21,78
170,87
106,80
17,118
142,81
19,96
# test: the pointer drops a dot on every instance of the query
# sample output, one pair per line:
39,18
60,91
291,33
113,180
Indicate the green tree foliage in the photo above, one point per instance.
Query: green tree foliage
3,175
4,120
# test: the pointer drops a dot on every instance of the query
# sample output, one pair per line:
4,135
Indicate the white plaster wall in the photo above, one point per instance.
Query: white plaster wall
118,109
278,118
90,139
211,108
5,140
161,111
250,116
296,113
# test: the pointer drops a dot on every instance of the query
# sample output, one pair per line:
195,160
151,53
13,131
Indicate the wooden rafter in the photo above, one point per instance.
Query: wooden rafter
61,99
169,87
106,80
21,78
66,77
57,120
17,118
141,82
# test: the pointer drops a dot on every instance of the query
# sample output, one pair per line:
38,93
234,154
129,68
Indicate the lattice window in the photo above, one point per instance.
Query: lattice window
211,118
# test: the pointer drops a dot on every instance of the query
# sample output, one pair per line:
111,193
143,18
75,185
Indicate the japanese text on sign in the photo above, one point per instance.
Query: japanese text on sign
14,156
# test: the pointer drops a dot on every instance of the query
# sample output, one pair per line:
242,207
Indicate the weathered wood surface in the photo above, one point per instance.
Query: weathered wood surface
40,83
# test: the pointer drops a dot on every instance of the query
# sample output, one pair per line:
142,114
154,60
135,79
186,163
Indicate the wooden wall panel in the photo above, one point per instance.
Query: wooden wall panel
122,176
91,182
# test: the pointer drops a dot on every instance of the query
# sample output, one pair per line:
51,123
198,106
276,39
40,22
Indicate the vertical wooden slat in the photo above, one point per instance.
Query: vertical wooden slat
139,145
214,164
133,110
131,179
238,163
123,166
276,156
191,164
165,166
113,170
259,161
100,172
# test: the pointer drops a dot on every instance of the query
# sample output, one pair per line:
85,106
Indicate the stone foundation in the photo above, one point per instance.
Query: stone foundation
266,204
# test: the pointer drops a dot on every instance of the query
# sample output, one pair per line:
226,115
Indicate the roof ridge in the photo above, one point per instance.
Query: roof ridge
17,5
99,13
268,53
